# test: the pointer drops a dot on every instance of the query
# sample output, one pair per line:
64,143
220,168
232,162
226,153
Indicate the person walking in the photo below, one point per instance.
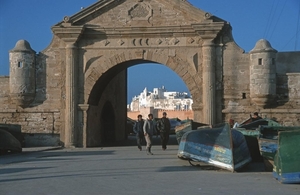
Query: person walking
149,130
138,130
164,126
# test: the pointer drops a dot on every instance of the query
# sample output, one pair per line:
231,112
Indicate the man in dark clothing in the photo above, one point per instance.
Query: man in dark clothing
255,116
149,131
164,127
138,130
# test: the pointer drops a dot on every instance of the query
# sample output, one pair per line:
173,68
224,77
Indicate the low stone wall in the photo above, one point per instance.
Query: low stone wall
133,115
181,114
41,139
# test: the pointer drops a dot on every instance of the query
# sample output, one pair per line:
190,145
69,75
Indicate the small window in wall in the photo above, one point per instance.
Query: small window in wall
244,95
259,61
20,64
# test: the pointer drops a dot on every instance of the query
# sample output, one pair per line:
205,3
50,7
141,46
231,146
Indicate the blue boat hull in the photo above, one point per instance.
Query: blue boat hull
287,178
220,147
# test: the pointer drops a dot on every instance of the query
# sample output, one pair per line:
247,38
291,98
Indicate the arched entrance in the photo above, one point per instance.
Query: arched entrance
107,100
101,42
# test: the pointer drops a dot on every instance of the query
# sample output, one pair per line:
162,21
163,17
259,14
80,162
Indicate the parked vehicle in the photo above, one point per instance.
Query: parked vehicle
174,123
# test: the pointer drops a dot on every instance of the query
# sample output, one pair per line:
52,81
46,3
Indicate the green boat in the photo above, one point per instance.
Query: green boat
251,132
287,158
249,125
269,144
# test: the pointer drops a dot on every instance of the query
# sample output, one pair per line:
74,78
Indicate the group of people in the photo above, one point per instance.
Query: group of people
145,129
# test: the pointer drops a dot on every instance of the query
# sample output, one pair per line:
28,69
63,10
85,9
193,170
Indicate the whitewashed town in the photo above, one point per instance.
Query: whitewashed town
161,99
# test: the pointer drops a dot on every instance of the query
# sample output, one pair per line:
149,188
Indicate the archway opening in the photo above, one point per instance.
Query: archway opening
107,117
155,88
153,75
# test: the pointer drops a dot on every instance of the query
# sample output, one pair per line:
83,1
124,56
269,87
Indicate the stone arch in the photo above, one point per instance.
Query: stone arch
184,39
184,70
102,71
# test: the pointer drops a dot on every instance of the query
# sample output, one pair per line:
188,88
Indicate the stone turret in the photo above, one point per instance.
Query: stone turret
263,74
22,74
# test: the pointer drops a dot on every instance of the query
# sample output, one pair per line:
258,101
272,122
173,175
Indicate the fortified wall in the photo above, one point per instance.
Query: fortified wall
263,80
73,93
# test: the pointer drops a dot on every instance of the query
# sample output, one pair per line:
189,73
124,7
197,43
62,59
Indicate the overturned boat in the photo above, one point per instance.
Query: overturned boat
252,125
219,146
250,129
8,143
186,126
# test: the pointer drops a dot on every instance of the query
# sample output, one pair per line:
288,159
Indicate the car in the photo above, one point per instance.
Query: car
174,122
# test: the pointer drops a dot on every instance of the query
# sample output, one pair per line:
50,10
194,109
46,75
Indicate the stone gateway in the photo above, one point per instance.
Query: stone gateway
74,92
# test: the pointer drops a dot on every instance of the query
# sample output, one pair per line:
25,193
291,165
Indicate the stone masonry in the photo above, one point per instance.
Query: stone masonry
77,97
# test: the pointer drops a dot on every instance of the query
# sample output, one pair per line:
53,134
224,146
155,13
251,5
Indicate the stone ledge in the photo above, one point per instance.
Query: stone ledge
275,111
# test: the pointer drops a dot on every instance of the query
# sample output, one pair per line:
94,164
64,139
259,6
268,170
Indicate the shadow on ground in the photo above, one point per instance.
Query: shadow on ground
131,141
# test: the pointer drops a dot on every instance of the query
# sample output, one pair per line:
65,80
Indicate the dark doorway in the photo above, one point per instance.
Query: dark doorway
108,123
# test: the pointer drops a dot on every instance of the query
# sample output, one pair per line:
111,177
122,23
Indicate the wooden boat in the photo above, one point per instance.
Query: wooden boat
8,143
182,129
185,127
269,142
287,158
251,132
15,130
249,125
251,137
219,146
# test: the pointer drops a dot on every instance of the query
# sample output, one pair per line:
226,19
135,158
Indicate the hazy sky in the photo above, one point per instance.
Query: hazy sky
274,20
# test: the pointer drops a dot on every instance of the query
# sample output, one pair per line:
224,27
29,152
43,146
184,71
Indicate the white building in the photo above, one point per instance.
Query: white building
162,100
